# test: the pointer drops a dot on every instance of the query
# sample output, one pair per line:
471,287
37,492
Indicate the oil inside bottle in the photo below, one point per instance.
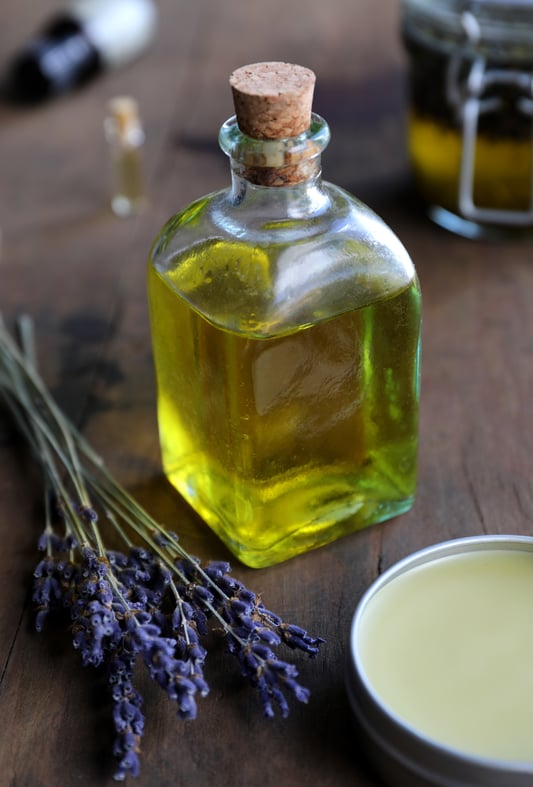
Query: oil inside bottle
283,439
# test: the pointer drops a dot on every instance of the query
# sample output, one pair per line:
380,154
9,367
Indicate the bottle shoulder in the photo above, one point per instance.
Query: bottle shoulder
272,217
272,269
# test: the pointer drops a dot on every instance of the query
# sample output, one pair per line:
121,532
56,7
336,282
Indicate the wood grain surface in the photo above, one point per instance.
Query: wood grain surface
80,272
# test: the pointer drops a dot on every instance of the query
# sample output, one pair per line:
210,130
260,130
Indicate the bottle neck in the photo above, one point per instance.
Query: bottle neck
287,174
277,163
271,203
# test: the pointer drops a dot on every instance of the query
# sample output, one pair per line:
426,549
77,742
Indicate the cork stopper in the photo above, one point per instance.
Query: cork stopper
273,100
124,113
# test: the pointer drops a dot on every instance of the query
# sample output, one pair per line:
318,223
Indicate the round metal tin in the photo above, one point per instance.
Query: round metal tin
405,756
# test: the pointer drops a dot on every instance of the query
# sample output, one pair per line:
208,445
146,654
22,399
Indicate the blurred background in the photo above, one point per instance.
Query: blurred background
181,84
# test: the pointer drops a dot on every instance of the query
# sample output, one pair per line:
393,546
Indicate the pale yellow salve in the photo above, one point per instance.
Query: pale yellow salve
448,647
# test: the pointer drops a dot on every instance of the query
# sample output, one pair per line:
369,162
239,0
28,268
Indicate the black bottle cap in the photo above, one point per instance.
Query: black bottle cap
61,57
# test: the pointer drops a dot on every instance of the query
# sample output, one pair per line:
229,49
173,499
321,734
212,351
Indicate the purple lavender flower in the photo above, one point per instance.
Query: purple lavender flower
188,648
52,582
145,605
49,540
46,590
171,673
253,631
272,677
127,716
298,639
96,627
128,606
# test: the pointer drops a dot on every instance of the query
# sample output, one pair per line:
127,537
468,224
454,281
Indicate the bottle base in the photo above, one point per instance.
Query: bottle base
322,510
126,206
311,537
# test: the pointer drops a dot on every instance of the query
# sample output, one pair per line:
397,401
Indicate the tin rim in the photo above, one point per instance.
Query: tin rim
397,747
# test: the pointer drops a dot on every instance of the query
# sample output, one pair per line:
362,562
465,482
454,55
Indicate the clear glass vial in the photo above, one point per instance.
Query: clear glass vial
286,324
125,137
471,112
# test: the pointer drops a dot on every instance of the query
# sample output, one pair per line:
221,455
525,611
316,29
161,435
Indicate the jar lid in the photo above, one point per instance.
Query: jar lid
496,27
440,669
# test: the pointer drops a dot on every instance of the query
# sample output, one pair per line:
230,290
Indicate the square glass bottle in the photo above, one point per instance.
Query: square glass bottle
286,328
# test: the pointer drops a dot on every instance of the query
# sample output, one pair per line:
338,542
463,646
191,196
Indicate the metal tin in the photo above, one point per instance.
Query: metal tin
405,756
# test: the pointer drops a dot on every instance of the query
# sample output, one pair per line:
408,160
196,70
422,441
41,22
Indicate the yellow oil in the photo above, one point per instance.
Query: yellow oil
128,184
502,169
282,441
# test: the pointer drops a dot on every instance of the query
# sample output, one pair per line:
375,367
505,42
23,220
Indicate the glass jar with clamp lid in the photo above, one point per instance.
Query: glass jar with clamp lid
470,125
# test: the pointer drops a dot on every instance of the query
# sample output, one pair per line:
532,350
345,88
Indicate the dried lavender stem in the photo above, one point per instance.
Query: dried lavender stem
26,364
152,603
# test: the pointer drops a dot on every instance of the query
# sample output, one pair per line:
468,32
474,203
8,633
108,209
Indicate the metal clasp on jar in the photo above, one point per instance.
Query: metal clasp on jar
470,101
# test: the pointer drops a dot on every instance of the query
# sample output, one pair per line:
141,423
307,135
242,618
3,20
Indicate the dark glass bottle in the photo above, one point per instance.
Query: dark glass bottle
78,44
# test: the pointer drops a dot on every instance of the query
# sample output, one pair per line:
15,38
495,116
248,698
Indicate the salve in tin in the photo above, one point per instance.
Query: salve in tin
441,670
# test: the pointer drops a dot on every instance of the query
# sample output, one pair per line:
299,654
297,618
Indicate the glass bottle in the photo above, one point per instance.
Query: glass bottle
125,137
471,111
285,323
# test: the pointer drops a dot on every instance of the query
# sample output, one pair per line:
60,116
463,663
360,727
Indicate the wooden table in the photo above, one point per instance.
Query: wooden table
80,272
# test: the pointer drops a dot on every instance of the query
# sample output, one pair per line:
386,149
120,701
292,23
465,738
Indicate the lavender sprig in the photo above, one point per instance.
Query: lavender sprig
150,602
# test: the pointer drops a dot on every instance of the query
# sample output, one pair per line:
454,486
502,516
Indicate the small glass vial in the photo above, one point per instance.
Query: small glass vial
471,112
285,324
125,137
